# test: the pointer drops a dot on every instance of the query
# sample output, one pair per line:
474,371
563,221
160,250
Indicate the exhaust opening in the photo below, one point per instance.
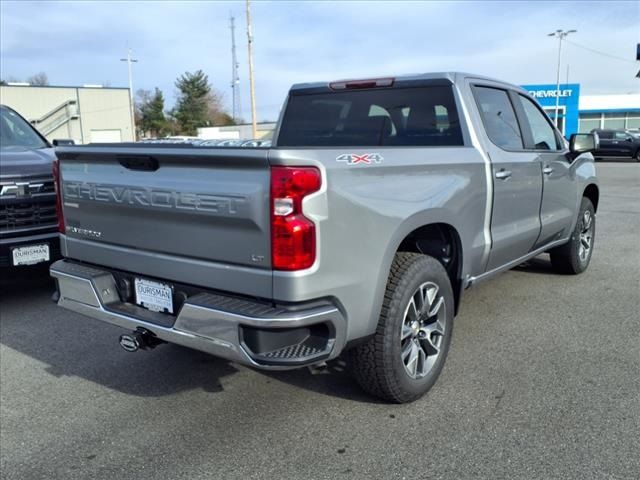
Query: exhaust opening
141,339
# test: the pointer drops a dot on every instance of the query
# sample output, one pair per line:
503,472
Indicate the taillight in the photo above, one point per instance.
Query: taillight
57,185
293,236
354,84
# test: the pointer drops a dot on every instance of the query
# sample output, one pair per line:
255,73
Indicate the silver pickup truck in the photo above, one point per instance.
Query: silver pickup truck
379,204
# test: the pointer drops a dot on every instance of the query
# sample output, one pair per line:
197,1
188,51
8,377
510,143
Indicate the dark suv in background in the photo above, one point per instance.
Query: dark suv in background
617,144
28,218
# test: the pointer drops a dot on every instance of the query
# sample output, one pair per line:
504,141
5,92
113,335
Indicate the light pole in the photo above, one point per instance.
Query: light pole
129,61
236,110
251,87
561,35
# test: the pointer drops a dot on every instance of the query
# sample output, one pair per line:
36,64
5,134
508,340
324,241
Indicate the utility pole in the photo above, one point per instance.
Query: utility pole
560,35
129,61
254,127
236,110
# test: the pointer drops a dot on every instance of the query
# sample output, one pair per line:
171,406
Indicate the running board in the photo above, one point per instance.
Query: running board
470,281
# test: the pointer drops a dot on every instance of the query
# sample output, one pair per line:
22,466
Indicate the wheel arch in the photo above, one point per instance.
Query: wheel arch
592,193
422,225
442,242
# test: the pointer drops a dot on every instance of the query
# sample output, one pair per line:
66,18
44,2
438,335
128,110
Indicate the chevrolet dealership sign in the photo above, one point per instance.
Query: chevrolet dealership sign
550,93
567,96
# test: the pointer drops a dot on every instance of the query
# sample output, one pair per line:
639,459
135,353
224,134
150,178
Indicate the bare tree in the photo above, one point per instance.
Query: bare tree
216,113
142,98
39,79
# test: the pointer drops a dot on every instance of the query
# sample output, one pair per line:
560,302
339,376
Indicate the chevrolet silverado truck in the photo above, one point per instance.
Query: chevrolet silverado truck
28,222
380,202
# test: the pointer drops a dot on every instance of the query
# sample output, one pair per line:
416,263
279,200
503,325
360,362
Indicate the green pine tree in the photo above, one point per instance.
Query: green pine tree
152,118
192,110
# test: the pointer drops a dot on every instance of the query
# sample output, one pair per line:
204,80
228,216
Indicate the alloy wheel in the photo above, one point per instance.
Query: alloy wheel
423,329
586,236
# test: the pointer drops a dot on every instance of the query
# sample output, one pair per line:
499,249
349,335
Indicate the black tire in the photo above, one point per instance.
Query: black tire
637,156
569,258
378,364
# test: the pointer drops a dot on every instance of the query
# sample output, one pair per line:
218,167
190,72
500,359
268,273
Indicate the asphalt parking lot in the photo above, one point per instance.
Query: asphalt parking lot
543,381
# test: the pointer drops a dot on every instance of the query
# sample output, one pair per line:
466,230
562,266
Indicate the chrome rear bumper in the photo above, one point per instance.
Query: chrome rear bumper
216,324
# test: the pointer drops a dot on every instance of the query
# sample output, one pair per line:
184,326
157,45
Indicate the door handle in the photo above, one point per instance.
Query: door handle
547,170
503,174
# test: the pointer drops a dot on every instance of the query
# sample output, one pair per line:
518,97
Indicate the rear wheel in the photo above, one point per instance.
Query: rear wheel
574,256
403,359
637,156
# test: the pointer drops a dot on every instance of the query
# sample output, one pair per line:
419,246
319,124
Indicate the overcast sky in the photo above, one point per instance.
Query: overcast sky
78,43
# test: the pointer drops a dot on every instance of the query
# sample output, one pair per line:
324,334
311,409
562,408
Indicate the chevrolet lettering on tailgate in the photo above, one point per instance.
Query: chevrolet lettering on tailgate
144,197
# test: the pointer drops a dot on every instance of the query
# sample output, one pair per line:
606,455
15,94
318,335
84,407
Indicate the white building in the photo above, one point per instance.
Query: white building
89,114
609,111
237,132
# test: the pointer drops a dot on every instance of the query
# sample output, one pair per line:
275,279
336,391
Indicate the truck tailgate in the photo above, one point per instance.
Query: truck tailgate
174,205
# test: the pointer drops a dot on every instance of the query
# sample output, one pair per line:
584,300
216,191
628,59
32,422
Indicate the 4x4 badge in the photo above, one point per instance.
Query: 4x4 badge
354,159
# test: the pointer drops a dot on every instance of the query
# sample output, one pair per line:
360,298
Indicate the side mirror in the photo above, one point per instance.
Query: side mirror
60,142
580,143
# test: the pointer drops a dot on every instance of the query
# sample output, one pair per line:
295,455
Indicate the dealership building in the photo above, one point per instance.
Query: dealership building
86,114
583,113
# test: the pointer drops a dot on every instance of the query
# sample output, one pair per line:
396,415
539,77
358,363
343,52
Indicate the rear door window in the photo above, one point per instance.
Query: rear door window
416,116
499,117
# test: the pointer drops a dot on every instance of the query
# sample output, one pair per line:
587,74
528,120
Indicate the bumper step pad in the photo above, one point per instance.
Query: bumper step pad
298,352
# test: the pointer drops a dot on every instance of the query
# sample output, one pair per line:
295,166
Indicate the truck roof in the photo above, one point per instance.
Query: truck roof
452,77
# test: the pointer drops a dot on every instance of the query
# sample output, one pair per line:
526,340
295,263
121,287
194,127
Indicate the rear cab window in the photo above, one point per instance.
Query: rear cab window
397,116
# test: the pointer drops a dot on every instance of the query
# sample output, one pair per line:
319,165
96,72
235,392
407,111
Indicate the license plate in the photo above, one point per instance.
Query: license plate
31,254
154,296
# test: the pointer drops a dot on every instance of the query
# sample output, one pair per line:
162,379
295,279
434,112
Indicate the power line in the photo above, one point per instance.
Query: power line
604,54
